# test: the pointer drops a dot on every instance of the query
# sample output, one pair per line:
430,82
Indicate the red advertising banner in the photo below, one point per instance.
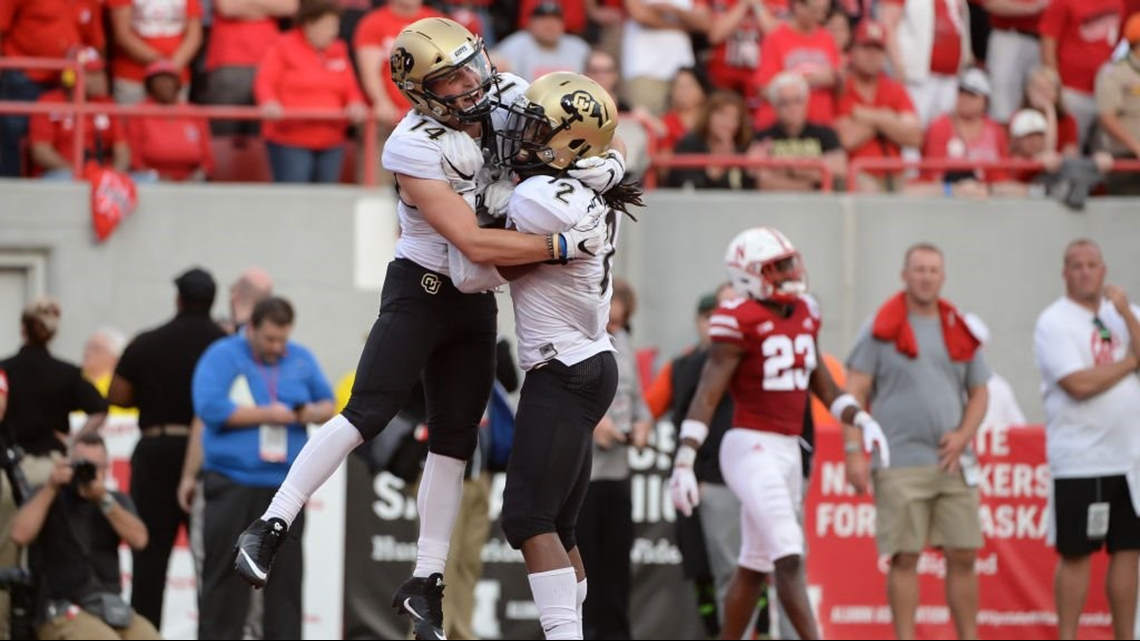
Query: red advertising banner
1015,568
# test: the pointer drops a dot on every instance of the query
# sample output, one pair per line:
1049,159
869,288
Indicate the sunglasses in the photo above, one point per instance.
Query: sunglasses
1103,332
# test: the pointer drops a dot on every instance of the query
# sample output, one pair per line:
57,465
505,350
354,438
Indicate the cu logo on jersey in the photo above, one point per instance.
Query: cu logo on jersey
581,105
430,283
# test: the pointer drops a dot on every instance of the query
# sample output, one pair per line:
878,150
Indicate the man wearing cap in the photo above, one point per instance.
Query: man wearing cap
42,392
876,116
1118,104
52,134
173,147
39,29
154,375
1027,129
967,133
544,46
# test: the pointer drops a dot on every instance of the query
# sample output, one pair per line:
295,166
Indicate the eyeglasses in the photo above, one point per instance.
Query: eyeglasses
1103,332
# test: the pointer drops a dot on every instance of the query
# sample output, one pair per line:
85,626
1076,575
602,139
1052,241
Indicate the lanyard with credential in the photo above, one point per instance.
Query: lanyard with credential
273,440
269,376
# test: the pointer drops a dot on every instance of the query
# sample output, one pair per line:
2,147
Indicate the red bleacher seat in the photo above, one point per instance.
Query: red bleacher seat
240,158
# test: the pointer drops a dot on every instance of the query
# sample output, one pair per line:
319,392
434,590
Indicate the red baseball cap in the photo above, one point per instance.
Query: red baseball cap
162,66
870,34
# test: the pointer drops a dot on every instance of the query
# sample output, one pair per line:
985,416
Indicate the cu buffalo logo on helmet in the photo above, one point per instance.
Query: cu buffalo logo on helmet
401,63
580,105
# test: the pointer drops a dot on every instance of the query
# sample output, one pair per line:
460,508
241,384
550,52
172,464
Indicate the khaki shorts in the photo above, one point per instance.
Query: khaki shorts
917,506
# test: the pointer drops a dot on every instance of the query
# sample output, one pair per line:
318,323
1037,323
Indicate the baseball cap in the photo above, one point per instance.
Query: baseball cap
546,9
707,303
44,309
1026,122
162,66
196,285
1132,28
870,34
975,81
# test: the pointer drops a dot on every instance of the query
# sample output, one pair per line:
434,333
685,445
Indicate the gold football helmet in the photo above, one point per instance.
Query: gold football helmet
442,69
562,117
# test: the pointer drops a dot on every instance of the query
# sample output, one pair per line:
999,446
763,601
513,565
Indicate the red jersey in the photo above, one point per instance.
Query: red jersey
889,94
943,140
49,29
379,29
770,385
1086,32
174,146
100,133
161,24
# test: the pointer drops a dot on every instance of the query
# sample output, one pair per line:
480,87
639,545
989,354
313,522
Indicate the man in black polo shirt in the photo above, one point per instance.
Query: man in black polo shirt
42,392
793,137
154,375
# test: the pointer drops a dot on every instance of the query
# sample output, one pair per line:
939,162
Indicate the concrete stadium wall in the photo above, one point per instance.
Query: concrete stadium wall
327,248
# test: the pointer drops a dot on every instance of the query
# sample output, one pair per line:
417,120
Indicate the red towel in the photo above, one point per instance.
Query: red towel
891,324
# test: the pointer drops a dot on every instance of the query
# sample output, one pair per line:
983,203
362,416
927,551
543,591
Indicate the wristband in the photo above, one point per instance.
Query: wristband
561,248
694,429
841,403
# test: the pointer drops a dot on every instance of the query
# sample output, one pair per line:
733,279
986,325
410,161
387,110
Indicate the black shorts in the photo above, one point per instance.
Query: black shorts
1071,501
427,328
549,468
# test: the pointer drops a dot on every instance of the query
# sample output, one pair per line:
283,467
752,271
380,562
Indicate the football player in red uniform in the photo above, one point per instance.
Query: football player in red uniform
764,352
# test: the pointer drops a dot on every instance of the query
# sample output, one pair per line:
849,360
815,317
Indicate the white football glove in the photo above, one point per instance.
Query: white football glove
497,196
873,437
590,237
683,487
600,173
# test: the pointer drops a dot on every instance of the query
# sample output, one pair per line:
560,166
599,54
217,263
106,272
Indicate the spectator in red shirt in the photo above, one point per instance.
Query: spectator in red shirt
173,147
52,135
967,134
373,44
803,46
242,31
146,31
687,97
738,27
1043,94
1014,49
39,29
1077,37
308,68
876,116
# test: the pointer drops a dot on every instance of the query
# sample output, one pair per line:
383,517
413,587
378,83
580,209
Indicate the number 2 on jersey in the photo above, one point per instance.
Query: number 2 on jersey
780,371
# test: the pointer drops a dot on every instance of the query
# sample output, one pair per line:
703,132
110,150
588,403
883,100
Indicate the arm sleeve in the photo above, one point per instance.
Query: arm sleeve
865,353
319,388
127,368
659,396
210,387
268,72
87,397
978,371
414,153
1057,353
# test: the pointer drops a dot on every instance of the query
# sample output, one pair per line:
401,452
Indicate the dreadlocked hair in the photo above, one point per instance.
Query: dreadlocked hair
622,195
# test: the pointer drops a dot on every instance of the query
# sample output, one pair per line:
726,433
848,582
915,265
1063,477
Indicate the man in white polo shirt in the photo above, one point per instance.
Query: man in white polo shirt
1086,348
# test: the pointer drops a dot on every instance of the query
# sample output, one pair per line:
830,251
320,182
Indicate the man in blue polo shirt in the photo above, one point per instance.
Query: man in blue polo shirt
255,392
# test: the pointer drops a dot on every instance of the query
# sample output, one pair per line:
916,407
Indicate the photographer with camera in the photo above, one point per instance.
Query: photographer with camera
74,525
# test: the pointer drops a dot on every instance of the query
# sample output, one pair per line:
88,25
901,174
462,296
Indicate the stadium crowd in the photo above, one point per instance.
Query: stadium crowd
979,83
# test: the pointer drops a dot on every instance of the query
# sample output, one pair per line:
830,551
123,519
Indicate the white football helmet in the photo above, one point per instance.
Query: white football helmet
763,263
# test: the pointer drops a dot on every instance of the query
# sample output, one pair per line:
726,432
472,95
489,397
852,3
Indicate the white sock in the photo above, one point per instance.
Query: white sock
581,599
555,594
314,465
441,492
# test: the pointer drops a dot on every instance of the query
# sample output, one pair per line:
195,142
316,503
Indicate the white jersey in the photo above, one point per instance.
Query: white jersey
422,147
561,311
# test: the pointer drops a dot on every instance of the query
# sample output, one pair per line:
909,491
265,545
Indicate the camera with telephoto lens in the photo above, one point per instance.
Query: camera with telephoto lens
83,473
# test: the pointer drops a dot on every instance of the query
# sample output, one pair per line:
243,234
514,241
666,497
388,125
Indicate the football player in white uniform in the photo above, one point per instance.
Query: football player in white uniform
426,327
560,316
